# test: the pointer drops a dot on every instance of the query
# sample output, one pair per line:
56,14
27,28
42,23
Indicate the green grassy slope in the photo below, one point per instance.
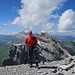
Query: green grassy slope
69,46
4,51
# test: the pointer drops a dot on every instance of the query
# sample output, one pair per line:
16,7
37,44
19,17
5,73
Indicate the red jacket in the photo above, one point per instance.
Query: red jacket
30,41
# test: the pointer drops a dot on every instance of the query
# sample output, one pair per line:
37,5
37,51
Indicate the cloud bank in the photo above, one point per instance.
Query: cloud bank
67,21
37,13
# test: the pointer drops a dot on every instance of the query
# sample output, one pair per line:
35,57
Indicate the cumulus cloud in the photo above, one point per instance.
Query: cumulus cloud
37,13
48,26
67,21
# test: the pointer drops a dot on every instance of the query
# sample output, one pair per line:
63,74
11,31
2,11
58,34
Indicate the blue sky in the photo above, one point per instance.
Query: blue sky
52,16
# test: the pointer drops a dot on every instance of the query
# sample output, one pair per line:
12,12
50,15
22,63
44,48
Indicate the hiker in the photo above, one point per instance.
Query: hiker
31,42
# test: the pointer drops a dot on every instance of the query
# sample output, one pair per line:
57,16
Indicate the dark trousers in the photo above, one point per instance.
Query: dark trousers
32,53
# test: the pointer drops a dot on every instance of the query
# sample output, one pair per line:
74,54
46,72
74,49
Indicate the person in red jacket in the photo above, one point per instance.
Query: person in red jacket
31,42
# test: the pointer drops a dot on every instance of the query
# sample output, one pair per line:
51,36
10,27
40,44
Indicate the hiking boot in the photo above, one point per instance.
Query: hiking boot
30,65
37,66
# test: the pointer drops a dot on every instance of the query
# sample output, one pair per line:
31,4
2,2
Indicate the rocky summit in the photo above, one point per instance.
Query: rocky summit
53,59
48,68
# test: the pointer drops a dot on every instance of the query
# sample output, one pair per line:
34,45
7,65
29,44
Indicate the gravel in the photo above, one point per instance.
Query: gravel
48,68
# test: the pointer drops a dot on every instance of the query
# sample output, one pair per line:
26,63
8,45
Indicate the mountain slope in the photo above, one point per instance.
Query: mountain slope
5,39
69,46
63,38
51,48
9,39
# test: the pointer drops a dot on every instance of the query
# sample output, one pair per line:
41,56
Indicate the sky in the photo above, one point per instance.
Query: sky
52,16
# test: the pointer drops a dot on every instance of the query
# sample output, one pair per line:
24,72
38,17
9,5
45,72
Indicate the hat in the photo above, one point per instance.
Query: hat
29,32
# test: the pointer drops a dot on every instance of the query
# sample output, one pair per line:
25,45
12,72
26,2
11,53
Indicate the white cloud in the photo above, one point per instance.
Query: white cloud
5,24
67,21
48,26
37,13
